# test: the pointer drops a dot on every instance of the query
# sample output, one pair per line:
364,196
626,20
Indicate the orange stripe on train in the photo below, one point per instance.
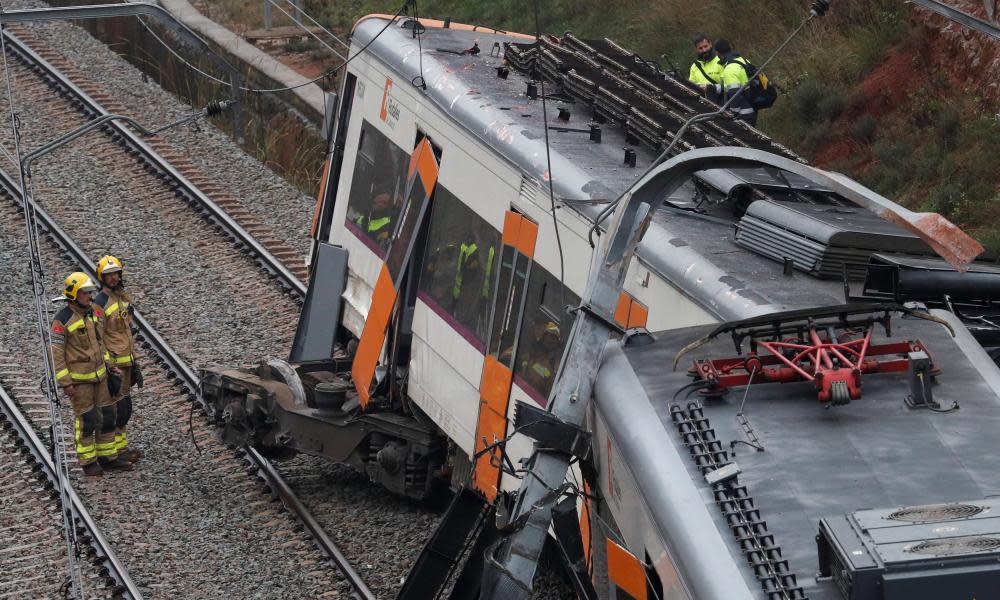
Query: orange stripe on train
373,335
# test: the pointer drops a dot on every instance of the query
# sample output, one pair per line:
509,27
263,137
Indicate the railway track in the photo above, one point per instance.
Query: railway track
164,162
175,370
33,559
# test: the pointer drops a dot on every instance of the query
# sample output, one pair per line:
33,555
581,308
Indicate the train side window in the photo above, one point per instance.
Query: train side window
543,332
511,284
459,266
377,188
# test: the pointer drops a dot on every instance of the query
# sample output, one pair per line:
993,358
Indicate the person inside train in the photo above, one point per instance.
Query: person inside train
541,357
377,224
706,70
470,292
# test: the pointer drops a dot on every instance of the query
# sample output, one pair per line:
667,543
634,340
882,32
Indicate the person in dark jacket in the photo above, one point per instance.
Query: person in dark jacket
734,77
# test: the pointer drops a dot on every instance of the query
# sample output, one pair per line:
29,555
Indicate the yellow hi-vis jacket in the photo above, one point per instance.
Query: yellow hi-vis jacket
734,77
117,332
712,68
78,353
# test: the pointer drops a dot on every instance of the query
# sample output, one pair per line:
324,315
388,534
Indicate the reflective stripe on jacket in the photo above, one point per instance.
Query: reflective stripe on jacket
465,252
117,331
734,77
77,350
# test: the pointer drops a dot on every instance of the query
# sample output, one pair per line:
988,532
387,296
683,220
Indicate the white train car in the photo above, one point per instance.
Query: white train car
453,230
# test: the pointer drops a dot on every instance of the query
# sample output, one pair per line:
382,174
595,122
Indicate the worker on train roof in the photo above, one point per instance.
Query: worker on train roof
706,71
734,76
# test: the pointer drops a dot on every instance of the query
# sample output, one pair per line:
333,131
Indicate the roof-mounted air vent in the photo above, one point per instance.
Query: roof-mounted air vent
914,552
952,546
936,512
821,239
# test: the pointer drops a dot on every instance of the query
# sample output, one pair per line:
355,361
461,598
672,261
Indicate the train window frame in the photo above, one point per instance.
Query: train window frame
451,224
536,313
373,147
497,352
338,143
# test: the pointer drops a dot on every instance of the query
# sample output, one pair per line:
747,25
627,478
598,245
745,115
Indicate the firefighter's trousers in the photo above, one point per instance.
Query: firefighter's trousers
123,409
92,406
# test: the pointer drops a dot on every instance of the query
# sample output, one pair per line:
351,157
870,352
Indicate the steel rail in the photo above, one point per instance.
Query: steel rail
133,141
188,378
108,559
322,539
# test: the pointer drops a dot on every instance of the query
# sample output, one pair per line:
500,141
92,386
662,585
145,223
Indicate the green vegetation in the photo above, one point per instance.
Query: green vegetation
861,93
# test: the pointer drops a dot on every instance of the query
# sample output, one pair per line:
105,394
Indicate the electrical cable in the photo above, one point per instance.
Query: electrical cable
418,30
609,531
250,90
317,24
306,29
549,178
60,455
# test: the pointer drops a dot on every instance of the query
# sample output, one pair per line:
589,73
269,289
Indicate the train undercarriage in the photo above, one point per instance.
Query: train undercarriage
282,409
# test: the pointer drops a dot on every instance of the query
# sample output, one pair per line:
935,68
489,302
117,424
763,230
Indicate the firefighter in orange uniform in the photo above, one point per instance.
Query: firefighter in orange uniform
82,370
117,306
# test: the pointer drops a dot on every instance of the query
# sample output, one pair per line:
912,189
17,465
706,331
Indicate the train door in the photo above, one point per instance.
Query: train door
325,199
516,255
421,180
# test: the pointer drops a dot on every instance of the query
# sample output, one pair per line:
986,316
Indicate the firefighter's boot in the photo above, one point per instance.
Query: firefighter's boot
93,469
115,464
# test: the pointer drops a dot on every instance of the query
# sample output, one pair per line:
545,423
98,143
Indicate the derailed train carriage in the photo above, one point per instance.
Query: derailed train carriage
744,460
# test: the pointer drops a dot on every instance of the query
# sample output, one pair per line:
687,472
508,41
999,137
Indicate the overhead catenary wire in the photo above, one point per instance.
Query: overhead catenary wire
251,90
316,23
306,29
59,453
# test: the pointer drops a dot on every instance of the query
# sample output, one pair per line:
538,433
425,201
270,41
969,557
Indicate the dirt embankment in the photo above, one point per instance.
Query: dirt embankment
960,62
965,55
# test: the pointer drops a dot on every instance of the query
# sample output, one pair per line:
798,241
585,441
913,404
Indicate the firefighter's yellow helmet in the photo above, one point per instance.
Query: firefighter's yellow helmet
108,264
76,283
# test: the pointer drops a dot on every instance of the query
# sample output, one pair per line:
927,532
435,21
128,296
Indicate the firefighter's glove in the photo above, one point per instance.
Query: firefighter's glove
114,383
136,374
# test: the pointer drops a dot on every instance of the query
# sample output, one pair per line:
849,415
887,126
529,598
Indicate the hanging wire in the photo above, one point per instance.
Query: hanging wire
306,29
610,532
60,454
317,24
250,90
549,178
418,30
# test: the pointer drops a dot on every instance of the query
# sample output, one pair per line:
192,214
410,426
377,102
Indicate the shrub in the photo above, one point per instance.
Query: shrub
945,199
864,128
816,102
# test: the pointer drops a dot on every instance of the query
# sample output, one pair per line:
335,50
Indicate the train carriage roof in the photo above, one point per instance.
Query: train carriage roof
874,454
730,257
